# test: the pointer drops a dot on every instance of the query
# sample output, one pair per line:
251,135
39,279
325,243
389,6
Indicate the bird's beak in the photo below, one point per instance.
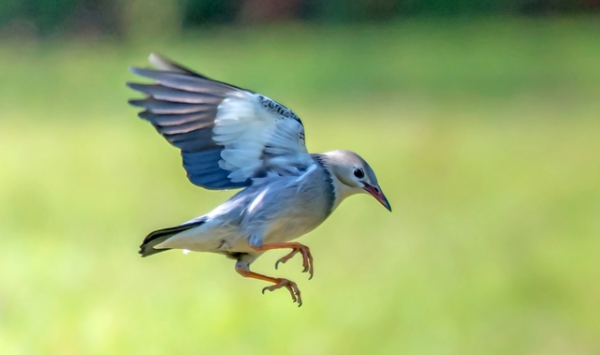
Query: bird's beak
379,196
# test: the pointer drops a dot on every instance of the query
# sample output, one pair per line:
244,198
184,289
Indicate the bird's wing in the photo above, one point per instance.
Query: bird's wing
227,135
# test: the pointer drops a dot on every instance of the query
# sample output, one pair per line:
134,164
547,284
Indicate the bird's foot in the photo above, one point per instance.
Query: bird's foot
307,259
290,285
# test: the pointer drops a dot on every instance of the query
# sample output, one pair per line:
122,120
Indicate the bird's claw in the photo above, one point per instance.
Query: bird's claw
290,286
307,259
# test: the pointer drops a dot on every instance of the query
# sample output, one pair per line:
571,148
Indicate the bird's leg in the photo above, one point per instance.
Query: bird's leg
243,269
307,259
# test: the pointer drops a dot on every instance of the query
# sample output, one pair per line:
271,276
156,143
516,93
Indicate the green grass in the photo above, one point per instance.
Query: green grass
484,136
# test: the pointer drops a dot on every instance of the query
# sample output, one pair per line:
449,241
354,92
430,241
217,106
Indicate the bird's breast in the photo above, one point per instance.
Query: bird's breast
299,214
292,227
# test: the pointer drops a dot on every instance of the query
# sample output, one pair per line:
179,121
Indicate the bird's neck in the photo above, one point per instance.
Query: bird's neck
339,190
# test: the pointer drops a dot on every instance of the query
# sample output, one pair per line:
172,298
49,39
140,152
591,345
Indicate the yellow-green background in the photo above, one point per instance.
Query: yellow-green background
483,134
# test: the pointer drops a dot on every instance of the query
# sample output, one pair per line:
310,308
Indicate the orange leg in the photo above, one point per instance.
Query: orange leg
244,270
307,259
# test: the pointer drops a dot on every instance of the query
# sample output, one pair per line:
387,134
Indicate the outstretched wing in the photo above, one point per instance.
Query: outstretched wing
227,135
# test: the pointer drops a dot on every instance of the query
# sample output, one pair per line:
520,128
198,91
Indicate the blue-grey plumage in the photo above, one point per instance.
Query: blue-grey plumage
233,138
277,210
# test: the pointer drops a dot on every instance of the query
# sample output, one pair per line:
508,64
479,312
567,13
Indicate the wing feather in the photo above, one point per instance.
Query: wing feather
228,136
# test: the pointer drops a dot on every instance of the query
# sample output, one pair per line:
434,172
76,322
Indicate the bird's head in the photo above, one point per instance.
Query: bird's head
354,175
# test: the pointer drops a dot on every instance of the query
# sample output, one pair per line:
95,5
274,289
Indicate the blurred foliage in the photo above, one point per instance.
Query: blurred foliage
483,133
159,18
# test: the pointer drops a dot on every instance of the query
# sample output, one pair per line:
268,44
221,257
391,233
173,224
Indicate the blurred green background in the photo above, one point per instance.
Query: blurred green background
482,123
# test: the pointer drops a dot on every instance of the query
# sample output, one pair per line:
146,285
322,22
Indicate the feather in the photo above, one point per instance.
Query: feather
228,135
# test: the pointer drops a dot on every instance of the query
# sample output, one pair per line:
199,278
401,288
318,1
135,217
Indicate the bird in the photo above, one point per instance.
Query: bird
234,138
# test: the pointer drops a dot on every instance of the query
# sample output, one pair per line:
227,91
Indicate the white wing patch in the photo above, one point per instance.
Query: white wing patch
256,137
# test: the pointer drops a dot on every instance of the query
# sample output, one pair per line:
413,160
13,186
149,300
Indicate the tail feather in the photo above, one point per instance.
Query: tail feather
159,236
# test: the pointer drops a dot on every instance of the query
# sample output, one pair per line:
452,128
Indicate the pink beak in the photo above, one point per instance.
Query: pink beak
379,196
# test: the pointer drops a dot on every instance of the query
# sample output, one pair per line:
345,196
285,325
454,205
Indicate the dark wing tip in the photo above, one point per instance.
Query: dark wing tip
150,73
165,64
136,102
139,71
133,86
148,89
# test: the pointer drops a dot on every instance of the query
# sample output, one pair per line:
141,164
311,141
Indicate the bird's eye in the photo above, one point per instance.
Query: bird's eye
359,173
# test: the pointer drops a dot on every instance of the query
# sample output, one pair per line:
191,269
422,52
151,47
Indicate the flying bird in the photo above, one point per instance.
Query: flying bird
233,138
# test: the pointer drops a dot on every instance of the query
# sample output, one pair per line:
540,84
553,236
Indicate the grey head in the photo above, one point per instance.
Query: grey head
351,175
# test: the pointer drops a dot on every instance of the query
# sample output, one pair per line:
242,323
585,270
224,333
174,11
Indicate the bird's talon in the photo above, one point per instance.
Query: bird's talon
307,259
307,266
289,285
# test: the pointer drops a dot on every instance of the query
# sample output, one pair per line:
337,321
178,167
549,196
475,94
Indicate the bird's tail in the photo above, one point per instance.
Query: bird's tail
159,236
